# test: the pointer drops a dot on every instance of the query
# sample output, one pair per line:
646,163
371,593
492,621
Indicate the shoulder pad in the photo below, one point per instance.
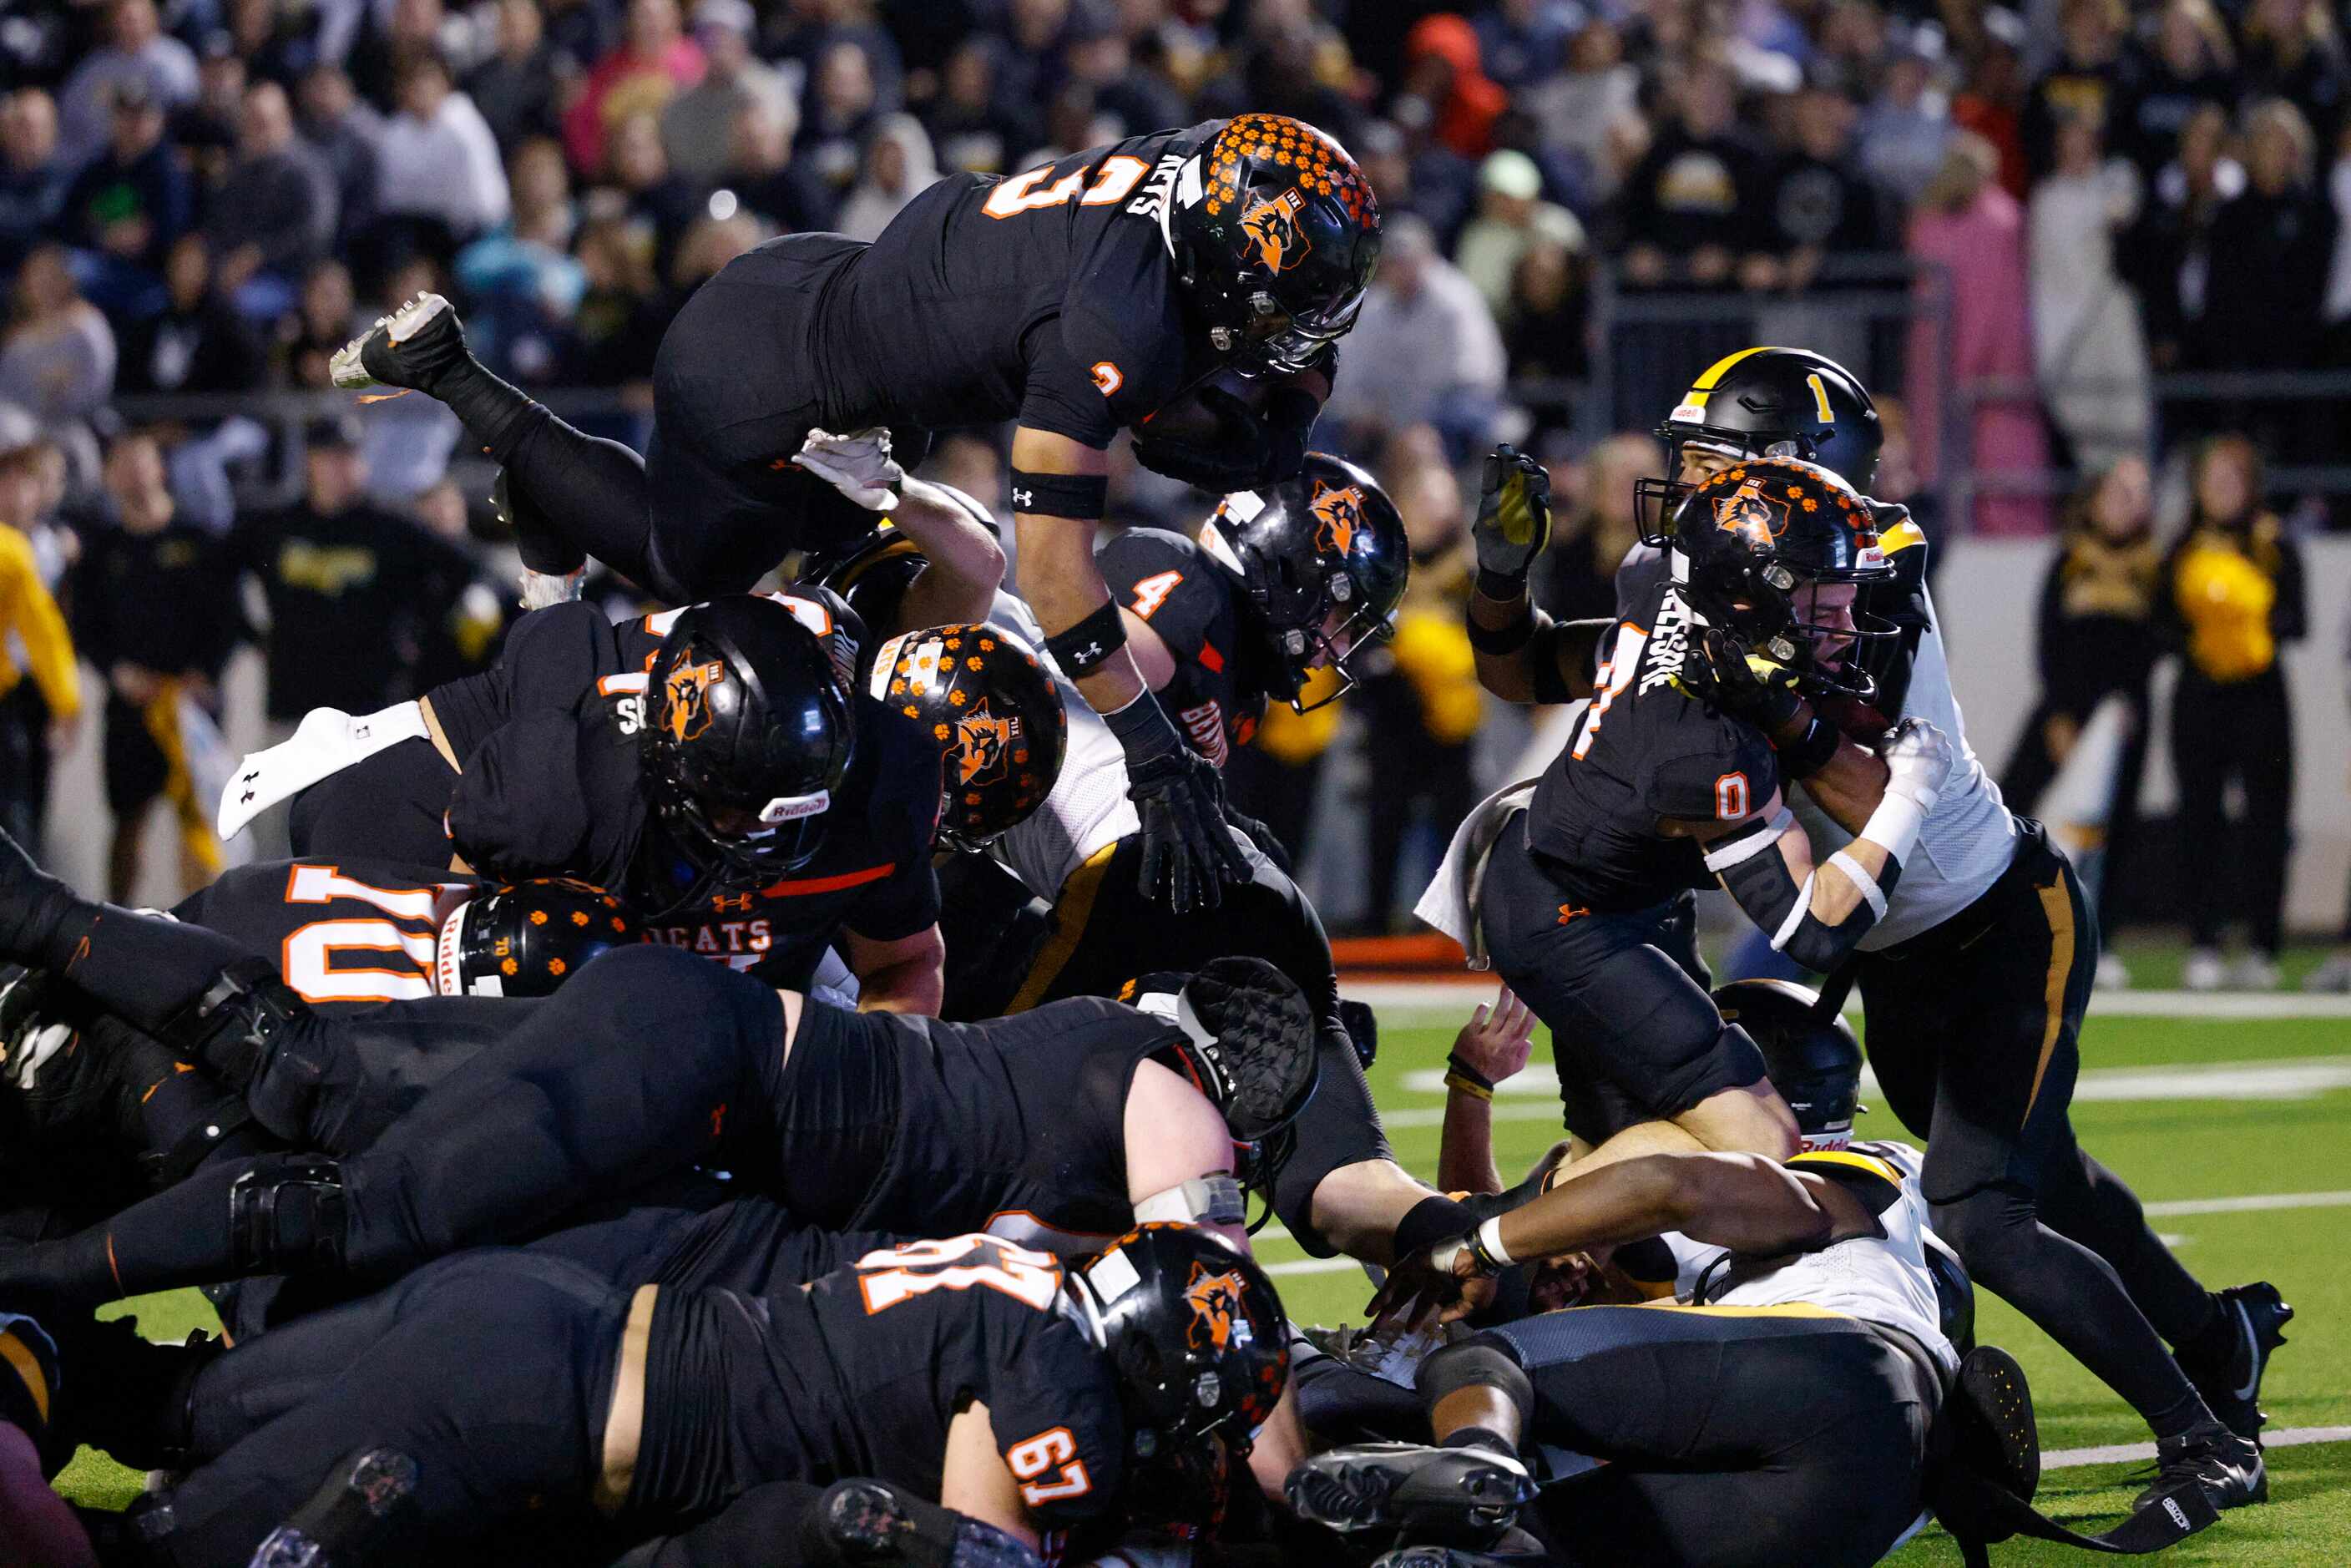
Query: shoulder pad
1876,1183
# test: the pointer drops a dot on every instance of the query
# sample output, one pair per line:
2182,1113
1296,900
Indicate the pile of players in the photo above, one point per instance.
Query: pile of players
786,1081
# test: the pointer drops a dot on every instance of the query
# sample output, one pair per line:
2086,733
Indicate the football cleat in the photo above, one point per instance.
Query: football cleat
353,1520
1466,1496
2258,1316
873,1521
411,348
2226,1466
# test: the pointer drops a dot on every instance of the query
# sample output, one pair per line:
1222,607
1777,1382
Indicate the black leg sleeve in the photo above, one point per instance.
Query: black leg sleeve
596,487
2085,1202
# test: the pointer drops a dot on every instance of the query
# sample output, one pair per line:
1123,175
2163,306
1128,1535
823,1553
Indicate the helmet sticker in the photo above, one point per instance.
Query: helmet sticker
1750,513
792,807
1217,1320
981,742
686,711
1337,514
1272,226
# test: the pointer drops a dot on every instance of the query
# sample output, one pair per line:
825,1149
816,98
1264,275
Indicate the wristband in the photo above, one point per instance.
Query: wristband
1893,826
1500,586
1085,496
1431,1222
1089,645
1461,1069
1469,1086
1486,1248
1810,752
1501,641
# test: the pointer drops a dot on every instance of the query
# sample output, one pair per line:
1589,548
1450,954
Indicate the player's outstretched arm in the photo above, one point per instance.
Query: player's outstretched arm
1522,655
1491,1048
1746,1202
964,560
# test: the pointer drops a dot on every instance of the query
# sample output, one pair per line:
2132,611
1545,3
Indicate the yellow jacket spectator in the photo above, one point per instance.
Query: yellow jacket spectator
35,643
40,691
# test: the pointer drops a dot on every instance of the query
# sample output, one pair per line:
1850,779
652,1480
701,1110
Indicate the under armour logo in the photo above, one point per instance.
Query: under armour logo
1089,653
250,777
1568,912
362,731
722,903
1023,497
246,798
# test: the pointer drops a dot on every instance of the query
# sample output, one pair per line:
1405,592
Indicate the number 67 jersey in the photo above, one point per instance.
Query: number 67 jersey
1643,752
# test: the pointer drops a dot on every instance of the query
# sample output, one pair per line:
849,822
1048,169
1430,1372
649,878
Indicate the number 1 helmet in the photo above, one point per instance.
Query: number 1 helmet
1195,1334
1813,1062
1779,403
1275,234
989,704
748,730
526,940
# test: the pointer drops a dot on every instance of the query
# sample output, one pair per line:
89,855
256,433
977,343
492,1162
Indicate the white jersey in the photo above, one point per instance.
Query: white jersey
1966,841
1087,809
1879,1279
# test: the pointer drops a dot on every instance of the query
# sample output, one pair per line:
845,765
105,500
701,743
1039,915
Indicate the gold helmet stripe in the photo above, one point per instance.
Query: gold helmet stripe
1711,377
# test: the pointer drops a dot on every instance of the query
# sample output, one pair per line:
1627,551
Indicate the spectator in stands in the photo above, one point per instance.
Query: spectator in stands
205,132
137,51
408,28
2233,587
1134,99
1547,324
1575,579
34,177
2294,51
2090,76
197,342
654,61
1577,107
835,116
1992,103
767,178
2099,634
2191,64
1905,133
620,316
2173,248
1424,349
803,32
516,89
57,361
698,126
155,608
1967,223
898,168
127,207
323,321
275,215
1524,42
40,687
1415,174
2278,238
1817,203
2087,348
1513,218
654,199
2337,348
347,134
1691,211
1443,73
971,124
440,163
521,278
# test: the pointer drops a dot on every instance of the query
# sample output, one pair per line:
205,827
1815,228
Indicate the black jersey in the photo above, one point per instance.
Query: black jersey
1014,1126
341,932
1643,752
861,1371
1050,296
1194,604
551,786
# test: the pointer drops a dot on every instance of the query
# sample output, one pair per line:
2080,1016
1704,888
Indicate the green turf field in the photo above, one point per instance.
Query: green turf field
2194,1144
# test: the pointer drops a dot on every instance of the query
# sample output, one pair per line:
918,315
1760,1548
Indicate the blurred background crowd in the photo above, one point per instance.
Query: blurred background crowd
2094,257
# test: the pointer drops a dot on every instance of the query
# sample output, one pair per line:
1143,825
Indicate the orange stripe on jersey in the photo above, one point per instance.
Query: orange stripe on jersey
804,886
1211,658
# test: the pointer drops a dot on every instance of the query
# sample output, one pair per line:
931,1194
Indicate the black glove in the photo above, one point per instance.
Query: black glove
1181,800
1250,450
1721,671
1263,837
1513,519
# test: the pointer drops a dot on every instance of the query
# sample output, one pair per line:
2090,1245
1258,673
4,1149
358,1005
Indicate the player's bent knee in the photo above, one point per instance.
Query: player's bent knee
1476,1364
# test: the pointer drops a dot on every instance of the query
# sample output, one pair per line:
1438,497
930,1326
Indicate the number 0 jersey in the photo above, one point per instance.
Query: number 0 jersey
349,931
1643,752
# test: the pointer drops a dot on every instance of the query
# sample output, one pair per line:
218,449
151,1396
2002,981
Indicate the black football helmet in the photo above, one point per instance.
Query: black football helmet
748,730
1779,403
1275,234
991,705
1195,1334
1327,540
526,940
1753,538
873,574
1811,1058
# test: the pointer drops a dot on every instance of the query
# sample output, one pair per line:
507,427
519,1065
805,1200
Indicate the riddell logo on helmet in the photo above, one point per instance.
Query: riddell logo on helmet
1750,513
1217,1321
686,696
1273,226
1337,514
982,740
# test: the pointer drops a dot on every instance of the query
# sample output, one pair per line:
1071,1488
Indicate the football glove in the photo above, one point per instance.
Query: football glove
1918,757
1252,449
1513,514
858,465
1730,678
1188,852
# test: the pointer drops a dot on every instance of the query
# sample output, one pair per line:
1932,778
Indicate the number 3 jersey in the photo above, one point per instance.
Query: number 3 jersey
1641,753
861,1371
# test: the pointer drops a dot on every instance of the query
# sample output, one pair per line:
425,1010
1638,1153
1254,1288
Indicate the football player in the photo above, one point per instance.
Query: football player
1656,791
1975,976
496,1385
1080,298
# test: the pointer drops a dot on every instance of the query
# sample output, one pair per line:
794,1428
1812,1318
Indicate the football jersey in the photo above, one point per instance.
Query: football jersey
1182,594
1964,843
1049,296
1643,752
352,931
1881,1279
871,1364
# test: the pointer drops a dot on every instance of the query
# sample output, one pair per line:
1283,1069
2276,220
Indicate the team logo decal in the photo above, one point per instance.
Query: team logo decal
981,741
686,694
1337,514
1217,1320
1750,513
1272,225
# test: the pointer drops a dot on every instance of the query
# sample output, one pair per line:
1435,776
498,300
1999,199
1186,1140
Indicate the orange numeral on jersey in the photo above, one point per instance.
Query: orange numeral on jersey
1614,676
1034,1278
1153,591
1117,176
1730,797
1055,1451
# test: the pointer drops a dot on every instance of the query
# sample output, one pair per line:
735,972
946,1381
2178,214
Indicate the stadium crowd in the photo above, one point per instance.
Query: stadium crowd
207,196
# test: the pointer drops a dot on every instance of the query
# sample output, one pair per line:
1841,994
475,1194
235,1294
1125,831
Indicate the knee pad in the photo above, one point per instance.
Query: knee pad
235,1026
287,1215
1476,1364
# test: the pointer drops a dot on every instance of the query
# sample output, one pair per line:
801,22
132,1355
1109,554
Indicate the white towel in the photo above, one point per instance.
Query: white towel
327,741
1451,902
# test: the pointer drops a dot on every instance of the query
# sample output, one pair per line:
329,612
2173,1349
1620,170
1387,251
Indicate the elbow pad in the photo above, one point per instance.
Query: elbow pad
1818,946
1757,875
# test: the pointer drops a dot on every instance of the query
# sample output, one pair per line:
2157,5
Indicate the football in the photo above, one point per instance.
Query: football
1190,422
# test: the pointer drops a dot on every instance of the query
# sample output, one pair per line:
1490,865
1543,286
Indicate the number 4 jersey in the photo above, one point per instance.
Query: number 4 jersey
1643,752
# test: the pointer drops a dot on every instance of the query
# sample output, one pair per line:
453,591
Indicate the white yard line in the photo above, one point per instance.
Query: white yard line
2283,1077
2143,1453
1450,1001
